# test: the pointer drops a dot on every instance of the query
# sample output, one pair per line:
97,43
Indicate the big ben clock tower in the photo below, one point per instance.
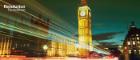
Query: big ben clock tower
84,29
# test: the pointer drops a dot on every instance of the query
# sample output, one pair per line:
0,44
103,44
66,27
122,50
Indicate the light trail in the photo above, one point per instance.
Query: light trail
46,12
58,28
55,25
58,38
55,58
32,33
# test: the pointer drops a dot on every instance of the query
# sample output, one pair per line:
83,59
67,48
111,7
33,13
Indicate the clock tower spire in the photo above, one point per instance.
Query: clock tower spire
83,2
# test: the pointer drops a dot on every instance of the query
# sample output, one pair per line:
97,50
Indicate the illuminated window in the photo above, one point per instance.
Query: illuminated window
125,48
128,42
81,23
28,45
138,38
23,45
82,38
120,46
138,42
129,51
137,34
16,45
134,43
135,51
139,51
133,38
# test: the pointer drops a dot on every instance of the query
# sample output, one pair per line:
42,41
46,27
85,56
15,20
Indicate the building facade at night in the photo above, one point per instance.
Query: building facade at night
84,29
25,34
62,49
14,40
131,43
19,32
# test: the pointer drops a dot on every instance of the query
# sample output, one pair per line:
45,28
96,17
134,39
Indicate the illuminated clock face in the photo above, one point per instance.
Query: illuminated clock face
82,13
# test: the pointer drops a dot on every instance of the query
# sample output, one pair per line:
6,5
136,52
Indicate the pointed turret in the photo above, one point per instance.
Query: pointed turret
83,2
132,24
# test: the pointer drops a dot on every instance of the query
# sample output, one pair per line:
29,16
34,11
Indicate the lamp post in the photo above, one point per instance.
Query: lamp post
45,47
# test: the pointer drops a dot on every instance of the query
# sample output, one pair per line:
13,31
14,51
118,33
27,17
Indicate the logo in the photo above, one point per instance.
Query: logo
15,7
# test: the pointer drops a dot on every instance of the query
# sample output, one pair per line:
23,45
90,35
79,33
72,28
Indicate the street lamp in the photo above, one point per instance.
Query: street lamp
45,47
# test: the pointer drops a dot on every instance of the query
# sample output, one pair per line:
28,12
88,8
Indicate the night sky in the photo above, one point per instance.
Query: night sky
110,18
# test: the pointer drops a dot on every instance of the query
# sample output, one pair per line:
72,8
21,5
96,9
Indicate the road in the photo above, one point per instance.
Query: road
54,58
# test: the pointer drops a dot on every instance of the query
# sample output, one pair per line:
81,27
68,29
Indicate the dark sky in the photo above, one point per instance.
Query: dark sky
110,18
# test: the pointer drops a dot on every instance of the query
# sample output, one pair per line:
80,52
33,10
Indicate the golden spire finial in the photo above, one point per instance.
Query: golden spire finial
84,2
